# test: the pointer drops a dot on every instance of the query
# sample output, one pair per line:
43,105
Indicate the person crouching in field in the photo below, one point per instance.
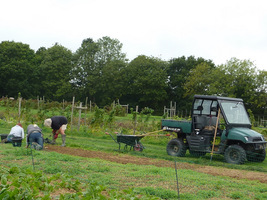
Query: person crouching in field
35,137
59,125
16,131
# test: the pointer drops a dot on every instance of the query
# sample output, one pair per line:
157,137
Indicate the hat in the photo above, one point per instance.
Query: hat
48,122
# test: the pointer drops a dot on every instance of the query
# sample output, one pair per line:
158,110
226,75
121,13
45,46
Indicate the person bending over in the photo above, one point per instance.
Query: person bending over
35,137
59,125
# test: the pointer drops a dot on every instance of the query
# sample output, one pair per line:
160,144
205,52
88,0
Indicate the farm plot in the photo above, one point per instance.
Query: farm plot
74,173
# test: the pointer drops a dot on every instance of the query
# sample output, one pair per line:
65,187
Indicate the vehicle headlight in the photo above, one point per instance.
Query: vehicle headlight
263,139
246,139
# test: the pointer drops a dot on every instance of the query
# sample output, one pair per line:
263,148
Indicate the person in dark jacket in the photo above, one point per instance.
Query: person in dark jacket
35,137
59,125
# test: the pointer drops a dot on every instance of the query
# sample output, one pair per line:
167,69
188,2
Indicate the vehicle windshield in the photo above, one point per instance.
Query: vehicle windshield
235,112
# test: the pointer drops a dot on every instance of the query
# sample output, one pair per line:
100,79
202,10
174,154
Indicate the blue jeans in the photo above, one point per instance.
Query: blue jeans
36,137
9,138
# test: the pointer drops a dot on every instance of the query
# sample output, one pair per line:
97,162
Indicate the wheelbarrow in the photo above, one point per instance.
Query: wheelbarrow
133,140
129,140
3,136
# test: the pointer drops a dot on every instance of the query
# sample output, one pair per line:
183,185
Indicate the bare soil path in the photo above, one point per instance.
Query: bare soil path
124,159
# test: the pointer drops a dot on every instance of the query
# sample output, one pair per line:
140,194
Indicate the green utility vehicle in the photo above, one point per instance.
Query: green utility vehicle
219,125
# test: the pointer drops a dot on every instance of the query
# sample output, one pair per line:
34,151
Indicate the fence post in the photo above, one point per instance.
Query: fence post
20,98
38,102
135,120
85,110
80,114
73,100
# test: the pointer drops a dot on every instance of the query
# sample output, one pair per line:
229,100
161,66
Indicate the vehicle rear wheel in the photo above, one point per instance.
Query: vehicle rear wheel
256,156
235,154
176,147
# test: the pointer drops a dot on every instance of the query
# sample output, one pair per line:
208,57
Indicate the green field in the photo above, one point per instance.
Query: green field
92,167
30,174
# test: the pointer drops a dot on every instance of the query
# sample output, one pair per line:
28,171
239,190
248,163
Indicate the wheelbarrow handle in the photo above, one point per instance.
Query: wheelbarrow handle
111,136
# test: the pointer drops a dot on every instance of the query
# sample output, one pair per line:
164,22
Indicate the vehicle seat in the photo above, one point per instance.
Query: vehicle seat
200,122
211,126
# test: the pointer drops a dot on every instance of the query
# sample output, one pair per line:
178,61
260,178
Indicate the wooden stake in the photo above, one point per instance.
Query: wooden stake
215,133
73,100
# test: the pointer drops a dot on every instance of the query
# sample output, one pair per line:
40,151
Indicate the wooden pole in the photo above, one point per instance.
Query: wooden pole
19,107
86,100
171,109
80,114
215,133
38,102
135,120
175,108
73,100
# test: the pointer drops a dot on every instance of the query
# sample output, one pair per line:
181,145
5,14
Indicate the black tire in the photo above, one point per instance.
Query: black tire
256,156
235,154
197,153
176,147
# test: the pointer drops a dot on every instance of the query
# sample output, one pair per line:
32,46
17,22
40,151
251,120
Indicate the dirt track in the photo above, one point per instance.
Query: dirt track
124,159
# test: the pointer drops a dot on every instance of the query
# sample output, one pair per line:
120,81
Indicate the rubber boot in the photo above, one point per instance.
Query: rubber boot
53,140
63,140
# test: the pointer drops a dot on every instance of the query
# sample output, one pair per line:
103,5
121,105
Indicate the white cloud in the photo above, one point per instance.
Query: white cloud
216,30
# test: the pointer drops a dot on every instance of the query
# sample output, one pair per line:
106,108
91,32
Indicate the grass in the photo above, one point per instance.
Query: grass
77,175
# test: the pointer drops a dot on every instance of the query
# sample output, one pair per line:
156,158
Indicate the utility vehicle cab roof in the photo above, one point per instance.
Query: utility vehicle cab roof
216,98
232,109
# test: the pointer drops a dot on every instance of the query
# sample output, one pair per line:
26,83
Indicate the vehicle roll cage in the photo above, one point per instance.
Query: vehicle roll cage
215,109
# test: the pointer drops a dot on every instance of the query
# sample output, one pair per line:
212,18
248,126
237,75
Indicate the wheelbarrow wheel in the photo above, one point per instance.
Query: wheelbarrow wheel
138,147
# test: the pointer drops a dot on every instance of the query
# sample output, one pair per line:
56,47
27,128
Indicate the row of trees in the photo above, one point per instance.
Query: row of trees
100,71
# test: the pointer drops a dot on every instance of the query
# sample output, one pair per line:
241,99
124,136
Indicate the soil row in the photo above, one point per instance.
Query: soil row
124,159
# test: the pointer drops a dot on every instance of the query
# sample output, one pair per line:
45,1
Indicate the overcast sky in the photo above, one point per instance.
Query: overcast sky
213,29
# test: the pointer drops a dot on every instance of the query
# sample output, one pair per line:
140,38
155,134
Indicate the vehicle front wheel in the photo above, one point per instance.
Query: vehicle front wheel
235,154
176,147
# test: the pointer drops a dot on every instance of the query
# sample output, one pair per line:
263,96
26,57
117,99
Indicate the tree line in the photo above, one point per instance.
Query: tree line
100,71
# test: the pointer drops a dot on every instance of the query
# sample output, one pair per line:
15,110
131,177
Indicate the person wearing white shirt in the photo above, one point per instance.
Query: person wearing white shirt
16,131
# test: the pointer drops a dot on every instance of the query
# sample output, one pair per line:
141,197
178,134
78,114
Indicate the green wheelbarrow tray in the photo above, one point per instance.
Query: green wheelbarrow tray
129,140
3,136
